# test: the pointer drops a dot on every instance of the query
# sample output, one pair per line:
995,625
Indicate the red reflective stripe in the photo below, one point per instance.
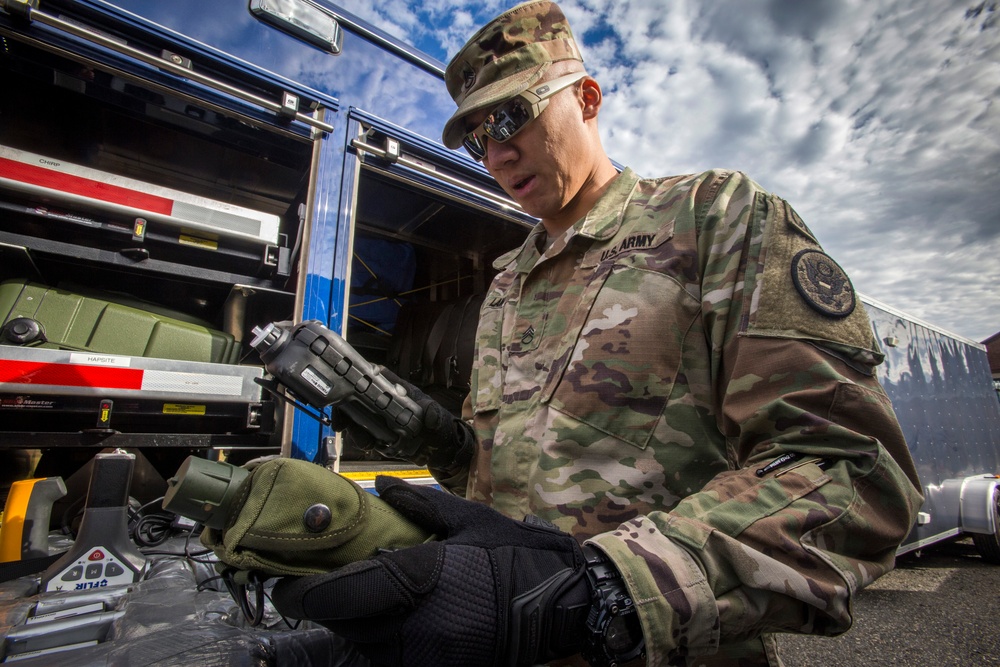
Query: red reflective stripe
70,375
86,187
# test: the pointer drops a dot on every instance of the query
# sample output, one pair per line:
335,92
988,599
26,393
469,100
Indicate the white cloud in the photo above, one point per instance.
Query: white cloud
877,119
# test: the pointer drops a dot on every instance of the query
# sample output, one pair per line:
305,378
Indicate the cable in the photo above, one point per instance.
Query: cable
72,511
153,529
250,597
291,626
150,530
202,585
253,612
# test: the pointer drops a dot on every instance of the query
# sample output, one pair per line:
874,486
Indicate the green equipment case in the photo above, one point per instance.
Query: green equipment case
43,316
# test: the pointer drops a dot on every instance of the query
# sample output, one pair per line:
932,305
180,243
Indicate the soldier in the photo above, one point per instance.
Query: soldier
672,373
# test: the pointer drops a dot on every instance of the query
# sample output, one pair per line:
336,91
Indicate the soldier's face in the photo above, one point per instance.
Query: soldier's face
540,167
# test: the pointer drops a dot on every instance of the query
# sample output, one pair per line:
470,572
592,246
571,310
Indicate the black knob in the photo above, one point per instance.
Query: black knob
23,330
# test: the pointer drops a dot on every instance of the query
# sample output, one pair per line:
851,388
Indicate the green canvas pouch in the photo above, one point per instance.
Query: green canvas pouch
293,518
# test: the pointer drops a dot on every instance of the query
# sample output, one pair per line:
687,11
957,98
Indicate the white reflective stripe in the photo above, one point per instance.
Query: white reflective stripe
192,383
69,182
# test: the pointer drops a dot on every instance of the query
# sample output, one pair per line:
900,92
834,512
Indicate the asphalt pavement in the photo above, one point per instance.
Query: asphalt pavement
936,609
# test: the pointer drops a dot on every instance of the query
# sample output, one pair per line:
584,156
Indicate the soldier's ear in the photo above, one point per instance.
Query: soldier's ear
591,97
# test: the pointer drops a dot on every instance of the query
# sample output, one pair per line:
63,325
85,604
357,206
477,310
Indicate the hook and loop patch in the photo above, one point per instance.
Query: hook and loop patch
823,285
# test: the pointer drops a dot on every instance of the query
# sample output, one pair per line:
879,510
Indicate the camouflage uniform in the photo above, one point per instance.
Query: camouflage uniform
632,379
687,381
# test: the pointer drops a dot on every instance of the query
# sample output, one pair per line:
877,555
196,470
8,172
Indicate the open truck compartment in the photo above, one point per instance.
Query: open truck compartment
150,218
140,233
421,263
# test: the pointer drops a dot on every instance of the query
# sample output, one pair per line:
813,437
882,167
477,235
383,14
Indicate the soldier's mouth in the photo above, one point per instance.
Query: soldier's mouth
523,183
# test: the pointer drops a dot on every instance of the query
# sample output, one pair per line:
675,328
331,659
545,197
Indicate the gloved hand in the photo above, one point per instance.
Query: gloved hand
445,442
489,591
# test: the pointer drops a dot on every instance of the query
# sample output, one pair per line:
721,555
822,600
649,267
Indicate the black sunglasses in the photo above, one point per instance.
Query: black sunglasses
511,116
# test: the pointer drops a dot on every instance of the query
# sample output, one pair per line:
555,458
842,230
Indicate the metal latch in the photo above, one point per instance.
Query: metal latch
391,149
289,105
176,59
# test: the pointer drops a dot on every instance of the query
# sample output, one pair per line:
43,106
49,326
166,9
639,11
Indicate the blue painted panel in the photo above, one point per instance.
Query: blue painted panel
364,75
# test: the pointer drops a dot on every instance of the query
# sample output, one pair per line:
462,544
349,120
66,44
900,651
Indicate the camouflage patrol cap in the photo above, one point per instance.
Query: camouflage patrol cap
507,55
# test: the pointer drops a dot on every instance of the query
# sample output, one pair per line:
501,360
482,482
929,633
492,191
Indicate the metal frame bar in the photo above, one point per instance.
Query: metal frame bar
173,68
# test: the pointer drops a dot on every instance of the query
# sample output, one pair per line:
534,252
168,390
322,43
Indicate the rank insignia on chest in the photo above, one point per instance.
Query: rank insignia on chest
823,284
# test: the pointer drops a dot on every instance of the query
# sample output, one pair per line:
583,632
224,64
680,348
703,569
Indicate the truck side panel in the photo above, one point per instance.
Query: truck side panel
128,111
941,389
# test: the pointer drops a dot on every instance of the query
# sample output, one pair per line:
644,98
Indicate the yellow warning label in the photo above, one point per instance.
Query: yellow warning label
364,475
195,241
183,409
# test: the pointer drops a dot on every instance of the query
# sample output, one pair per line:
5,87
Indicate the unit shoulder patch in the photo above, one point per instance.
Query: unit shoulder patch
823,285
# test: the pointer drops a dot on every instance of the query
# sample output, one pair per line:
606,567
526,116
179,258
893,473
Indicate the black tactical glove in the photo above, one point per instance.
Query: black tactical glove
489,591
445,442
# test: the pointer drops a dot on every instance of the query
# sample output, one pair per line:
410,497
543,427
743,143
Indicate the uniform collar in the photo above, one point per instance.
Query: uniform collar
605,218
601,223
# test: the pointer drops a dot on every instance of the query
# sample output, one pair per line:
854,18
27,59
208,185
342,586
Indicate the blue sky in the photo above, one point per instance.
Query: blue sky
877,119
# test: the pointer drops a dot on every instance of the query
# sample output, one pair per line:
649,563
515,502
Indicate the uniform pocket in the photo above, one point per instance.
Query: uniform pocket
626,355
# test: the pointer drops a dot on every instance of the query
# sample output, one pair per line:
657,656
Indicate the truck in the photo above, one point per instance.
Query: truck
173,175
941,390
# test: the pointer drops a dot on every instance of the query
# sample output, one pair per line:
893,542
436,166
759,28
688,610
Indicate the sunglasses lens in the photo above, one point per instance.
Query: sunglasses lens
507,120
474,146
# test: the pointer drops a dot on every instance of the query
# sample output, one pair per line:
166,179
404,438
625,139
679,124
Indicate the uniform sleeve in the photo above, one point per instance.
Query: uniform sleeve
822,489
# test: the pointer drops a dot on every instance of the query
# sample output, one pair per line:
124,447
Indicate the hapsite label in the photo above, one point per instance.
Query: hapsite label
97,359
